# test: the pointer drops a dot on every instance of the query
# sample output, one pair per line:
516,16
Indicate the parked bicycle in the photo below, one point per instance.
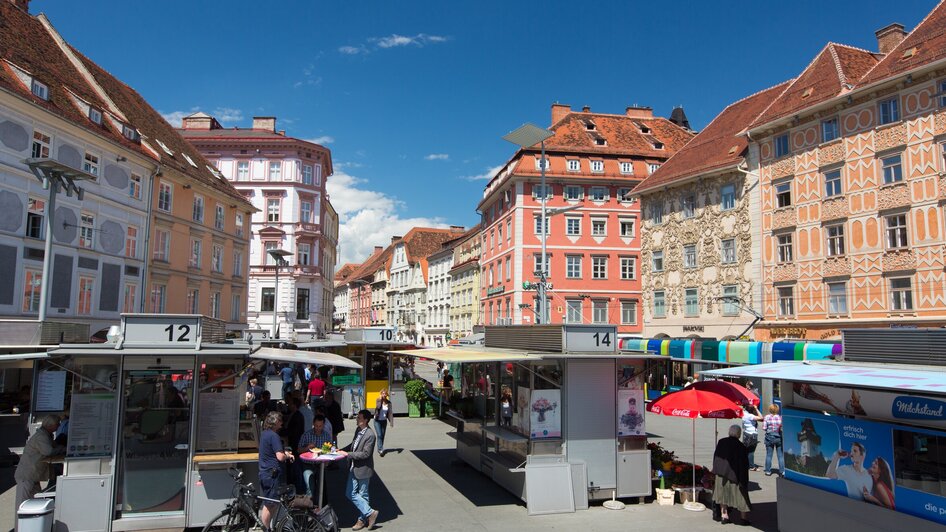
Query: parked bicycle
241,514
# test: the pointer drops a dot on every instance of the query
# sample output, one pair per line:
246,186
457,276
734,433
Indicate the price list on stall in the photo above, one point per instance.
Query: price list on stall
91,425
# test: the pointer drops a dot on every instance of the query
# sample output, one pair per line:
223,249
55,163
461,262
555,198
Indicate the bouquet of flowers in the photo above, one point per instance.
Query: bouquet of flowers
326,447
542,405
660,459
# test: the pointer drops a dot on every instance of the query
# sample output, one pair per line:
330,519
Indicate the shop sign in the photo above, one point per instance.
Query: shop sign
693,328
495,290
856,458
341,380
889,406
788,332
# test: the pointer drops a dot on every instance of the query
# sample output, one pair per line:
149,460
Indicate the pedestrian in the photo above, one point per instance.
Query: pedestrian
447,385
264,406
361,452
506,407
253,391
271,455
287,380
315,390
731,467
33,468
333,413
772,426
383,416
750,432
294,429
312,440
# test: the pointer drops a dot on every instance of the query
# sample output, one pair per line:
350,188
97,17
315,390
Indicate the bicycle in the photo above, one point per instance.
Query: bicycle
241,514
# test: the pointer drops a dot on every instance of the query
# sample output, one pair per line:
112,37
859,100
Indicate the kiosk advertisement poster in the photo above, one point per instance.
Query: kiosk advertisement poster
877,405
91,425
630,412
546,414
522,409
887,465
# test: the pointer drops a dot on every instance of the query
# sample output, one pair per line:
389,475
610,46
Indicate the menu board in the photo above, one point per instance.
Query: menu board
50,391
91,425
219,426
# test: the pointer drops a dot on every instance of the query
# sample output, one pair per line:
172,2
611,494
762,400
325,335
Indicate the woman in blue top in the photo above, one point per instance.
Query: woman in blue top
271,453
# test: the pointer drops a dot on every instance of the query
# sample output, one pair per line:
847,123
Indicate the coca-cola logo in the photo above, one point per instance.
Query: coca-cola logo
680,412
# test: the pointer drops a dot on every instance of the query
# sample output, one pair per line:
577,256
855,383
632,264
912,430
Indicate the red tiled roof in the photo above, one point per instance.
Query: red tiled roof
421,242
622,133
832,72
717,146
929,39
345,271
372,264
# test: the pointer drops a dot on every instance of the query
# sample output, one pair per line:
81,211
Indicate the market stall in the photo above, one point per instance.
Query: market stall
864,444
155,418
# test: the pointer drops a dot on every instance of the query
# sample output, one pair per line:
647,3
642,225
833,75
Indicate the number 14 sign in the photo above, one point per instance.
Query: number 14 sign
591,338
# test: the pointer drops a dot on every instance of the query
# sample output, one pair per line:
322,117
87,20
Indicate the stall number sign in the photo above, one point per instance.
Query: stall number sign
161,330
387,334
585,338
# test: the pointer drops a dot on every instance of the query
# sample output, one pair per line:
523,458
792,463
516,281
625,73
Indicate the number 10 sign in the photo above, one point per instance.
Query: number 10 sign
161,329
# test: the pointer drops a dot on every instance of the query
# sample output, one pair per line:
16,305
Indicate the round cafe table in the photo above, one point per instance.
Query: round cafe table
316,456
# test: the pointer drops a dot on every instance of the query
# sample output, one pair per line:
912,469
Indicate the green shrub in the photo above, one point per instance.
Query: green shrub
415,390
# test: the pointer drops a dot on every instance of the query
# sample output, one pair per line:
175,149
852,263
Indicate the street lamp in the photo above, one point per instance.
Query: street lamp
54,175
526,136
278,255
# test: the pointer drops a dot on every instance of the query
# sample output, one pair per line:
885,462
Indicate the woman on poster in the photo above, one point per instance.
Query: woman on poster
882,492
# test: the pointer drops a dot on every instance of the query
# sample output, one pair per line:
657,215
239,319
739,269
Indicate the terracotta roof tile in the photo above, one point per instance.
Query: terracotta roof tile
929,39
344,271
372,264
622,134
719,145
421,242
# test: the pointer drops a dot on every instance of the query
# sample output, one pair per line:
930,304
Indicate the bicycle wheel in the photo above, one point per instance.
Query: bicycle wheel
299,521
230,521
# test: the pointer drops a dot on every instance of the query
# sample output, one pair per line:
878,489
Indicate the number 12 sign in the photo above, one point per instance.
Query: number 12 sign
151,330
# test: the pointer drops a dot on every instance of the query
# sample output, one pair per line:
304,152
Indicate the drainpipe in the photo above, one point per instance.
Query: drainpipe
147,243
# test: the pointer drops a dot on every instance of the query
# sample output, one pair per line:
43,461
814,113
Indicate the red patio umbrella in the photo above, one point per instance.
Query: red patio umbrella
735,392
693,403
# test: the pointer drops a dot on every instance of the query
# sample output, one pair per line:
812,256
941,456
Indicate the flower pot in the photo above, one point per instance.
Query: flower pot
664,497
413,410
430,409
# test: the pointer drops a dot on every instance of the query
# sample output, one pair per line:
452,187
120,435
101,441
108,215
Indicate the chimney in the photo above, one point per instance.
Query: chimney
378,249
559,110
395,238
456,229
636,111
22,4
889,37
267,123
586,109
199,121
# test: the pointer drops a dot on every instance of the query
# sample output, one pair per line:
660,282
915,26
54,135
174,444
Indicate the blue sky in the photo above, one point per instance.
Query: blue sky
413,97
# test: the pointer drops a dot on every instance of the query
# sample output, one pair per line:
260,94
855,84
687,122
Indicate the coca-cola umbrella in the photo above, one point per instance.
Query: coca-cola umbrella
692,402
737,393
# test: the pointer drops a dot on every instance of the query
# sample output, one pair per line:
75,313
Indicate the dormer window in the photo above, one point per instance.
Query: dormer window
189,160
39,89
131,133
165,147
658,145
645,129
95,115
600,141
590,126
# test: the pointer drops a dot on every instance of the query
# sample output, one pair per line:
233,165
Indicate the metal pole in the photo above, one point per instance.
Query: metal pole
543,317
48,249
275,297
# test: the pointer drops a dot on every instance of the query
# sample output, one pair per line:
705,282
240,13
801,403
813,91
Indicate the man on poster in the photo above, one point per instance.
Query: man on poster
856,478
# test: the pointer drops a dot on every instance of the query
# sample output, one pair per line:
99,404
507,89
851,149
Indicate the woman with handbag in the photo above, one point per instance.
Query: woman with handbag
772,426
750,432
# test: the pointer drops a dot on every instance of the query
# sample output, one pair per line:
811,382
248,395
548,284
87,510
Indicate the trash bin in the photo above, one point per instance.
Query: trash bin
35,515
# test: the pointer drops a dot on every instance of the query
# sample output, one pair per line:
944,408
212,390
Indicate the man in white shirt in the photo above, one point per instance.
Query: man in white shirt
854,476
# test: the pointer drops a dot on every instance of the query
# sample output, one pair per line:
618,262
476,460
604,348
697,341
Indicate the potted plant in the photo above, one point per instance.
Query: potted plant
416,392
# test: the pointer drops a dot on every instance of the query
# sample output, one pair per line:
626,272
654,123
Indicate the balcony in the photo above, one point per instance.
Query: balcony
307,229
291,270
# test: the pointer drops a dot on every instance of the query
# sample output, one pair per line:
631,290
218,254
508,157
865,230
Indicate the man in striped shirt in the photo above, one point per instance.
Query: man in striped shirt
313,439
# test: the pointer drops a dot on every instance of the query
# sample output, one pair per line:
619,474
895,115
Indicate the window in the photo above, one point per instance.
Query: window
784,248
193,301
243,170
305,212
574,165
87,231
627,168
162,245
86,288
689,256
275,170
306,174
272,209
835,240
41,142
897,231
573,266
628,268
131,295
627,228
508,268
537,263
215,305
219,217
573,311
832,183
31,289
599,193
901,294
572,226
302,303
652,167
731,300
95,115
623,194
537,191
783,194
786,301
216,258
599,311
35,218
657,213
267,299
499,238
599,267
158,298
538,225
689,206
660,304
658,261
539,163
573,192
837,298
599,226
238,264
597,166
727,197
196,250
892,168
889,111
39,89
236,304
305,250
131,133
90,164
198,212
165,196
629,312
131,242
942,92
829,129
691,307
508,230
134,187
728,247
781,145
239,224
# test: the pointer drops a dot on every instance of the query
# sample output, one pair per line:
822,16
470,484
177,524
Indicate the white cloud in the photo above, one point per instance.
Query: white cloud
224,115
438,157
176,118
486,175
367,218
353,50
323,140
393,41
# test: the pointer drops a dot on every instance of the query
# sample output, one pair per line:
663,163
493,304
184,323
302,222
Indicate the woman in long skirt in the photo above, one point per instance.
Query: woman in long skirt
731,467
